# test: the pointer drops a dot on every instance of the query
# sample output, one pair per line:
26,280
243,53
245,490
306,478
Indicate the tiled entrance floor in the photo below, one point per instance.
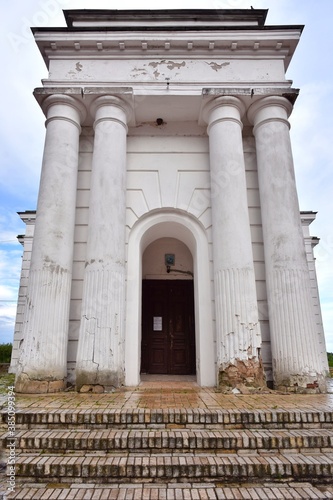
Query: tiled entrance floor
163,392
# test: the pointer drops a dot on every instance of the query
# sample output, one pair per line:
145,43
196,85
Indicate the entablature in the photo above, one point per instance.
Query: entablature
167,106
190,45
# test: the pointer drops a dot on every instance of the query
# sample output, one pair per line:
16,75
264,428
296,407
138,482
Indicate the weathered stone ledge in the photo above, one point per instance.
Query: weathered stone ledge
174,441
179,491
123,468
165,417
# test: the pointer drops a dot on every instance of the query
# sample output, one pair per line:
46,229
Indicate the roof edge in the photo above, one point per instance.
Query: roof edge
166,14
77,29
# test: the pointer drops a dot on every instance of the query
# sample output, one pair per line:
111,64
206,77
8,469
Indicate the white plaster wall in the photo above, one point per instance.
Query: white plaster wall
26,258
153,260
168,172
129,71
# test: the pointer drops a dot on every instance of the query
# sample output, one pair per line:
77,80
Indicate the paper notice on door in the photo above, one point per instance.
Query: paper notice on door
157,323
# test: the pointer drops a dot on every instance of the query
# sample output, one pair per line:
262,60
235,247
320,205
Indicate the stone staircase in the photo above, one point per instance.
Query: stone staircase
173,454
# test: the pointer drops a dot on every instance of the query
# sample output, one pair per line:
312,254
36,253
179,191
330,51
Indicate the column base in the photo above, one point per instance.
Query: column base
25,385
242,373
98,382
302,384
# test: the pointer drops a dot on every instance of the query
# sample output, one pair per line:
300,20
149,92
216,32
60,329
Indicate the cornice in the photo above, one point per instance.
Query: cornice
160,29
84,96
231,40
28,217
307,217
254,93
231,44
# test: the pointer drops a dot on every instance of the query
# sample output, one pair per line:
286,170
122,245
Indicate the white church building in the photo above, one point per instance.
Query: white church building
168,237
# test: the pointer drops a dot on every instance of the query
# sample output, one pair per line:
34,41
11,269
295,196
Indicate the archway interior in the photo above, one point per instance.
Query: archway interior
168,326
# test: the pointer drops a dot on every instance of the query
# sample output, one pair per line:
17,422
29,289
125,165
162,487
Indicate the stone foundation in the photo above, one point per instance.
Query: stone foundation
26,385
98,382
248,373
97,389
302,384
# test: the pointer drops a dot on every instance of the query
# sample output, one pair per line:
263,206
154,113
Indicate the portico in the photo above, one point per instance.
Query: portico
168,128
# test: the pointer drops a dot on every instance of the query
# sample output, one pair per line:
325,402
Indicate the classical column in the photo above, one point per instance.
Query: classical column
42,365
100,357
294,342
237,325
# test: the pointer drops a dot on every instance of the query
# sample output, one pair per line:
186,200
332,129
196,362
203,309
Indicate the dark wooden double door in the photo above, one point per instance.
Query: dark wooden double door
168,330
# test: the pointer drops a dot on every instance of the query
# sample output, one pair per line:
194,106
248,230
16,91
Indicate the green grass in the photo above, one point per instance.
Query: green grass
6,380
5,353
330,359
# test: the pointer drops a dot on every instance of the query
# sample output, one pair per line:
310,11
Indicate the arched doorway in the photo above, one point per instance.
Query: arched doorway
186,229
168,323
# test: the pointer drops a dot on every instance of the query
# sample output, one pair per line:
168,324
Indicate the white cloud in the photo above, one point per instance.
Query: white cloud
10,226
10,270
8,293
10,266
327,312
7,321
312,126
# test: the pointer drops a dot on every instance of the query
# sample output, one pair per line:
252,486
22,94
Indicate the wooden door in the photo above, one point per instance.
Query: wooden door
168,330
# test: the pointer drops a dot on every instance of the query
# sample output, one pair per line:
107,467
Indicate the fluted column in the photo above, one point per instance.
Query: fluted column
294,341
100,358
43,362
237,324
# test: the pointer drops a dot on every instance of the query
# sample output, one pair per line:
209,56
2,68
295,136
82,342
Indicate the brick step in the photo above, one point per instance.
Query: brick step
173,491
173,440
168,418
117,468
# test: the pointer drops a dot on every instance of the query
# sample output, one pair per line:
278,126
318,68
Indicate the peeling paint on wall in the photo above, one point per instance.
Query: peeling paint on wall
170,64
139,71
217,67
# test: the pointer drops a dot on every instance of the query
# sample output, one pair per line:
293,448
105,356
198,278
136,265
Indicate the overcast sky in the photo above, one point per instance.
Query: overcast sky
22,124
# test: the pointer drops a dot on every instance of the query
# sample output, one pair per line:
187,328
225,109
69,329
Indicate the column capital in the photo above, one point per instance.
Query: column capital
64,107
223,108
111,108
272,108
